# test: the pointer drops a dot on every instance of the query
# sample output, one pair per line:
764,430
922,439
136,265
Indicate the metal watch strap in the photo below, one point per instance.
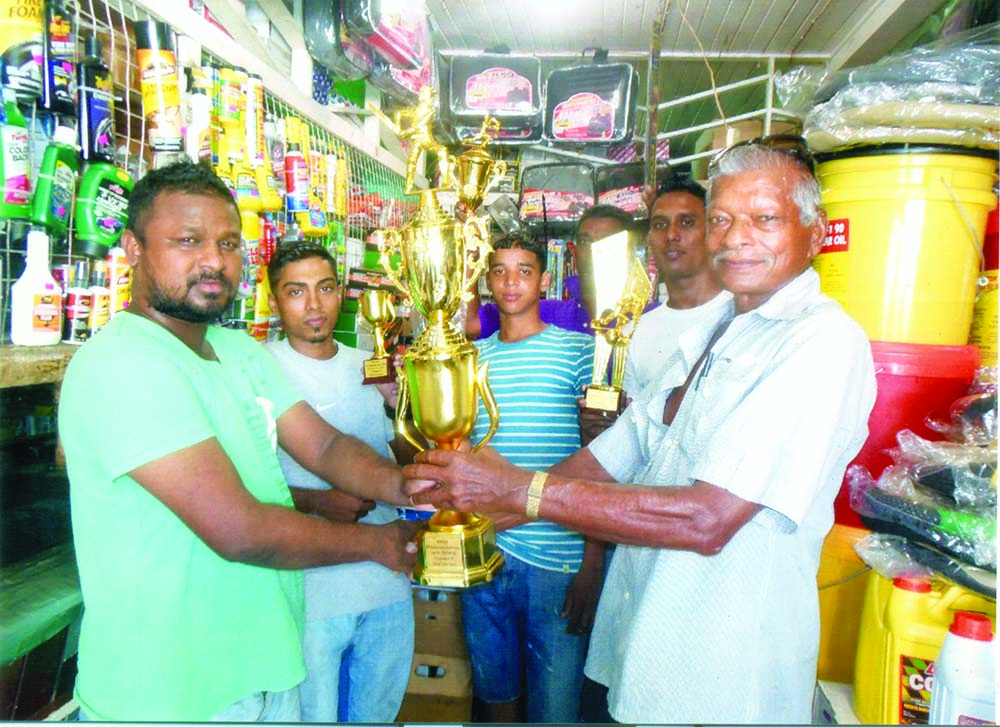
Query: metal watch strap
535,494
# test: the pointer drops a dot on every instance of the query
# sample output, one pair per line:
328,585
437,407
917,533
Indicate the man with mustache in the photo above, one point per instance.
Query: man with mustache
189,548
732,460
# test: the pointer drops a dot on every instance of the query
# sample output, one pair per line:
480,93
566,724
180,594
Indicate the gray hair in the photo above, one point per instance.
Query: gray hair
749,158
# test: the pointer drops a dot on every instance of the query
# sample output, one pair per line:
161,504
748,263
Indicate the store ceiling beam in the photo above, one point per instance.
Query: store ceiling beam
884,25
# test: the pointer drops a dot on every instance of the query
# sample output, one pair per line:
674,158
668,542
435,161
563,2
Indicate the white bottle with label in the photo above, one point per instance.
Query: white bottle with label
964,673
36,298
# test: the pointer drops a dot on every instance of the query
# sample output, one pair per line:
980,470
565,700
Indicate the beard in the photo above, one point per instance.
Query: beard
182,309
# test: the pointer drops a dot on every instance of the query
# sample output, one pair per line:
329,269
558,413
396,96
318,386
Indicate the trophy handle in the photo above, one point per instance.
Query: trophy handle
490,402
390,241
402,426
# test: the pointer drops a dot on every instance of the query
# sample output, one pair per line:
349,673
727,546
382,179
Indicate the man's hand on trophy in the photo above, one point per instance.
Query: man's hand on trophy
399,547
390,390
470,482
593,422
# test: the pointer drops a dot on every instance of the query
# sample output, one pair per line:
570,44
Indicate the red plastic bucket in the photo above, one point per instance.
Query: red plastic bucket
915,381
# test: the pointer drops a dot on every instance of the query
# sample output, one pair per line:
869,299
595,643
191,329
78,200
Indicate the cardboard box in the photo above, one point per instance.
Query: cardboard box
437,604
439,690
439,638
738,131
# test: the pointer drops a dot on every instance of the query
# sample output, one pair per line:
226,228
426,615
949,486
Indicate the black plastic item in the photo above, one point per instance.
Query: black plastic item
557,192
505,86
329,42
943,478
621,185
401,38
590,104
97,111
153,35
978,580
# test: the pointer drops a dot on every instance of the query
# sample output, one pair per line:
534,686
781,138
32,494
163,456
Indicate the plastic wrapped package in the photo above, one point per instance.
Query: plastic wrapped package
892,556
796,88
329,42
397,30
558,192
966,534
947,93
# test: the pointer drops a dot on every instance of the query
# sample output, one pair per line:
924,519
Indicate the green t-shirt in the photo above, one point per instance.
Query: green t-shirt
172,631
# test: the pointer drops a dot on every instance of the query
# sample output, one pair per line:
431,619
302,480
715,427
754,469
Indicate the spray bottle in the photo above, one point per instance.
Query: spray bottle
36,298
97,105
257,151
159,84
15,165
119,280
197,142
311,221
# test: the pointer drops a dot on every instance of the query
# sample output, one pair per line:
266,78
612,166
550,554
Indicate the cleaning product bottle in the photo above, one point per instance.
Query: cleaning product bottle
257,151
58,58
101,209
15,161
903,624
197,144
97,105
965,673
312,221
119,280
296,180
21,48
52,201
159,85
100,305
36,298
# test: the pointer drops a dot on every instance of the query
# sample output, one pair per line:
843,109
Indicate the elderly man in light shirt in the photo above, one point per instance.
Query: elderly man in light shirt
710,610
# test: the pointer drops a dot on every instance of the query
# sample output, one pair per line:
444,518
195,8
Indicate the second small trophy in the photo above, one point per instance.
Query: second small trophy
377,308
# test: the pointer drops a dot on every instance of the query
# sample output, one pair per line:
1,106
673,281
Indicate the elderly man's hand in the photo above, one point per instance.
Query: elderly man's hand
461,480
399,551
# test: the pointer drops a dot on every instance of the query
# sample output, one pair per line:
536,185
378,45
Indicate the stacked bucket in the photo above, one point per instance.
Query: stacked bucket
907,255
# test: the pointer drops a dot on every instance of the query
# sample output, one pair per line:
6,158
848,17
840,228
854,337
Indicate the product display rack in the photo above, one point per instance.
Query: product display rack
370,167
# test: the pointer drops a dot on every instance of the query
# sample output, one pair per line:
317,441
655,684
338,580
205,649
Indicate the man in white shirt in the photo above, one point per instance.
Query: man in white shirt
358,642
676,238
710,611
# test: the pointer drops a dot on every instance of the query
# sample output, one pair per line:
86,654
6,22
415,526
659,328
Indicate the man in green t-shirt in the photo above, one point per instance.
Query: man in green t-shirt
189,546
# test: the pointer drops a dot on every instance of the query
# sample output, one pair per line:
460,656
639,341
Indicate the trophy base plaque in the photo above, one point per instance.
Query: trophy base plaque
378,371
604,398
457,550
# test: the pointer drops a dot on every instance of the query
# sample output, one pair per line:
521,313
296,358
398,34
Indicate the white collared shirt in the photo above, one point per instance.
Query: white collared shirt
778,410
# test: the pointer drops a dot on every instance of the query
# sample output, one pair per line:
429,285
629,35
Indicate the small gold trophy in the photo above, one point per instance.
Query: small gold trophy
622,291
376,307
476,170
439,259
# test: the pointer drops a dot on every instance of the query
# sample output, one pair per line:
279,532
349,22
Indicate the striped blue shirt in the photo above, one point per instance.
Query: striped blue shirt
536,382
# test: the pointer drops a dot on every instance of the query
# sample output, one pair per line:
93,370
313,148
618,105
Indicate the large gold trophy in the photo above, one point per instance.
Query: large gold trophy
622,290
439,260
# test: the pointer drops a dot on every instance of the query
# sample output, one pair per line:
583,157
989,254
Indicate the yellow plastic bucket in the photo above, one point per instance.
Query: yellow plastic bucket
906,228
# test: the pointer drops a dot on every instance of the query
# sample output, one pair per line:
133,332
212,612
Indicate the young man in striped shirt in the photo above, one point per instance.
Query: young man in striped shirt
534,617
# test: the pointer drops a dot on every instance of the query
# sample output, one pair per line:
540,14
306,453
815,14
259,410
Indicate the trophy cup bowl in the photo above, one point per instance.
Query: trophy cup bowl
475,174
376,307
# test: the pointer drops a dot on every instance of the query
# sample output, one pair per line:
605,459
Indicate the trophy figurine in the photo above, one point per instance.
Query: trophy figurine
377,309
433,260
622,291
475,170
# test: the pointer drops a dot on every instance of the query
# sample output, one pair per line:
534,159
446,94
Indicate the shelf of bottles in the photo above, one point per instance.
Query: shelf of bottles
348,192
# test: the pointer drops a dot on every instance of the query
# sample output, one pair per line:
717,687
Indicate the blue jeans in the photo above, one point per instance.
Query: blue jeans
357,665
256,707
513,626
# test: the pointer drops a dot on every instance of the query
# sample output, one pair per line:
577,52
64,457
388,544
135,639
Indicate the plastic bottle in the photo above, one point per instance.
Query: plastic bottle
58,58
14,167
197,145
903,624
159,84
100,304
36,298
965,673
52,201
101,209
21,49
97,105
119,280
296,179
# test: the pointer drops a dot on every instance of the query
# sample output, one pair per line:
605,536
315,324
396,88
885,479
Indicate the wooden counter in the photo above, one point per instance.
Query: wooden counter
29,365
